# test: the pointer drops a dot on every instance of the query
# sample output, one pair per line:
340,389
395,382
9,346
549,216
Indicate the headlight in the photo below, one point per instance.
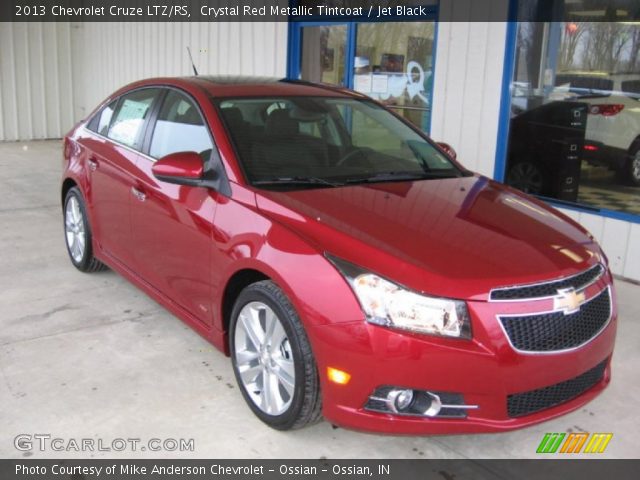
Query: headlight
388,304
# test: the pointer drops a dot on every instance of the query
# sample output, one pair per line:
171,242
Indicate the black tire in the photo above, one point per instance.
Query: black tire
305,406
86,262
630,173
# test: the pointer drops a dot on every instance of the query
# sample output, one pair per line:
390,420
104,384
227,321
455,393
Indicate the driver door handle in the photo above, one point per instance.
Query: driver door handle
140,195
93,164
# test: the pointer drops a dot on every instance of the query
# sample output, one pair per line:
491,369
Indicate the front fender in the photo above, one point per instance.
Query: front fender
248,240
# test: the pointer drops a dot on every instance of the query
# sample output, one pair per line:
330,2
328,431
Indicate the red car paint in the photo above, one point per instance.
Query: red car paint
186,164
459,238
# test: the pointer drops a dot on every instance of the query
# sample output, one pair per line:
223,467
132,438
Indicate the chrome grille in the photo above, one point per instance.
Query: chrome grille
548,289
553,331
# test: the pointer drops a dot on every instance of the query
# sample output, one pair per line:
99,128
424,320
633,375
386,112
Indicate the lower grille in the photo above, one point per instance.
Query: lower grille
526,403
548,332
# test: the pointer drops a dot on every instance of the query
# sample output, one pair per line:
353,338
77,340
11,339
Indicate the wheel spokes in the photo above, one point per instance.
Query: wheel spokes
278,336
75,229
75,207
263,358
284,372
251,326
250,374
271,398
246,357
270,322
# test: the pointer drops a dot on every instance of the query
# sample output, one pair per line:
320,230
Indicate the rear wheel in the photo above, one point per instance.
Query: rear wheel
77,232
526,176
632,168
272,358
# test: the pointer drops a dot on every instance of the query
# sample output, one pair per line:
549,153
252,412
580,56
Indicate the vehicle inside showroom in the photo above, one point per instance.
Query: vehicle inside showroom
384,234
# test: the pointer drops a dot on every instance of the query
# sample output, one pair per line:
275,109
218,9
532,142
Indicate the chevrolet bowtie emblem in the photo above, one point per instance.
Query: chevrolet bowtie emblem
568,300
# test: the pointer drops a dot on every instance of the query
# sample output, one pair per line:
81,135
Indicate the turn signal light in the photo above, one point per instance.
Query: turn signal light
338,376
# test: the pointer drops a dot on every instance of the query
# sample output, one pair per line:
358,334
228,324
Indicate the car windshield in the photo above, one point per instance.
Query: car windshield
321,142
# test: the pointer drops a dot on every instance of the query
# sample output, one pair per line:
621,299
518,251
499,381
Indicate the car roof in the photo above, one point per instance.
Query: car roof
243,86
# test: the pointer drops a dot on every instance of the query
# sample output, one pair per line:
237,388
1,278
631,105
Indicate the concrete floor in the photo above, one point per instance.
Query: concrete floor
90,356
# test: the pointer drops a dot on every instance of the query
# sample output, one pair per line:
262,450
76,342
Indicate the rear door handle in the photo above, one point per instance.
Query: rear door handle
93,164
140,195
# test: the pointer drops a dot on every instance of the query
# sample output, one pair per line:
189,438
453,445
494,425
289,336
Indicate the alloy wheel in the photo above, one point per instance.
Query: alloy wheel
635,167
264,358
526,176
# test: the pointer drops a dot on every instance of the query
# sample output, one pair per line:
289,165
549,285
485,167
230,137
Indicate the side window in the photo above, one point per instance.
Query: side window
100,122
132,111
179,128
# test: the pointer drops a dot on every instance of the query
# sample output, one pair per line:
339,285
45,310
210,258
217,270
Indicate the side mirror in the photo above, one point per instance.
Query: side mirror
181,168
448,149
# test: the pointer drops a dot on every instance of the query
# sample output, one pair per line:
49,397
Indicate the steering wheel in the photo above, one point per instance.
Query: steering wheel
349,156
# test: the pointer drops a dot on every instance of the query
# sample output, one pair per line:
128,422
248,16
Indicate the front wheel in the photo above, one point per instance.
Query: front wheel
272,359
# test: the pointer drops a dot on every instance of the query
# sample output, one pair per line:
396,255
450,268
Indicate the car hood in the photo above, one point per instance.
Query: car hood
457,237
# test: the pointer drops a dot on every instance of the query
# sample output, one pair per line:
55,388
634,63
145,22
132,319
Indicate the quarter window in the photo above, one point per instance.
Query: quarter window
179,128
100,123
132,111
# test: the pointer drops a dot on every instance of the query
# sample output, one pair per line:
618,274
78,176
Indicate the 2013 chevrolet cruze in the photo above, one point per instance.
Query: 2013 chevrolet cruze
350,267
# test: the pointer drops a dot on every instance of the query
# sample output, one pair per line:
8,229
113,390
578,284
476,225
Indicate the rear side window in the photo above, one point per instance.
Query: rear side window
631,86
133,109
100,122
179,128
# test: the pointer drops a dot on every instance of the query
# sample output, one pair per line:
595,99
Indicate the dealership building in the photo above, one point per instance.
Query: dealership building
550,106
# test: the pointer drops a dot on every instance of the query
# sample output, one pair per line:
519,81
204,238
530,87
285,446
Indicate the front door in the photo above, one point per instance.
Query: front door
171,224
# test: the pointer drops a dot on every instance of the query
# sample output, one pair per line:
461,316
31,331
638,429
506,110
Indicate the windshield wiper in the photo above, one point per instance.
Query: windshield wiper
296,181
400,176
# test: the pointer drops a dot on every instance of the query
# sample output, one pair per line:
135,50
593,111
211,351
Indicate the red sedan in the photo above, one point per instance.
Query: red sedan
350,266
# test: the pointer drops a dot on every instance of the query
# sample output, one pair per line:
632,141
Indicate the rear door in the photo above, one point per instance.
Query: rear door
112,157
172,224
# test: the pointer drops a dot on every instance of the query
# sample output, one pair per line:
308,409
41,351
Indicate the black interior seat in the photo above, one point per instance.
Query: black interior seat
285,151
240,131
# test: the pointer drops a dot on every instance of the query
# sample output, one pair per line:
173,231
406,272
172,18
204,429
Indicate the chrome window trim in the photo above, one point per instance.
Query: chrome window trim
160,87
115,142
564,350
580,288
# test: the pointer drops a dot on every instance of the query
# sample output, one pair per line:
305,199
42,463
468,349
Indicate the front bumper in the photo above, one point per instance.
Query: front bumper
485,370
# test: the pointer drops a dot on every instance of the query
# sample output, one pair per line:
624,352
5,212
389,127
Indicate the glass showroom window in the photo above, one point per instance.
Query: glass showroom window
394,64
575,110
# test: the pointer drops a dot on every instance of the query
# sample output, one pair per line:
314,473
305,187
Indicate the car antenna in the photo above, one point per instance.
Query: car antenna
192,64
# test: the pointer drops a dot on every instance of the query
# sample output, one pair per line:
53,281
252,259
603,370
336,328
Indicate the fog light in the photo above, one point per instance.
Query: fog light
418,403
338,376
434,406
399,400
